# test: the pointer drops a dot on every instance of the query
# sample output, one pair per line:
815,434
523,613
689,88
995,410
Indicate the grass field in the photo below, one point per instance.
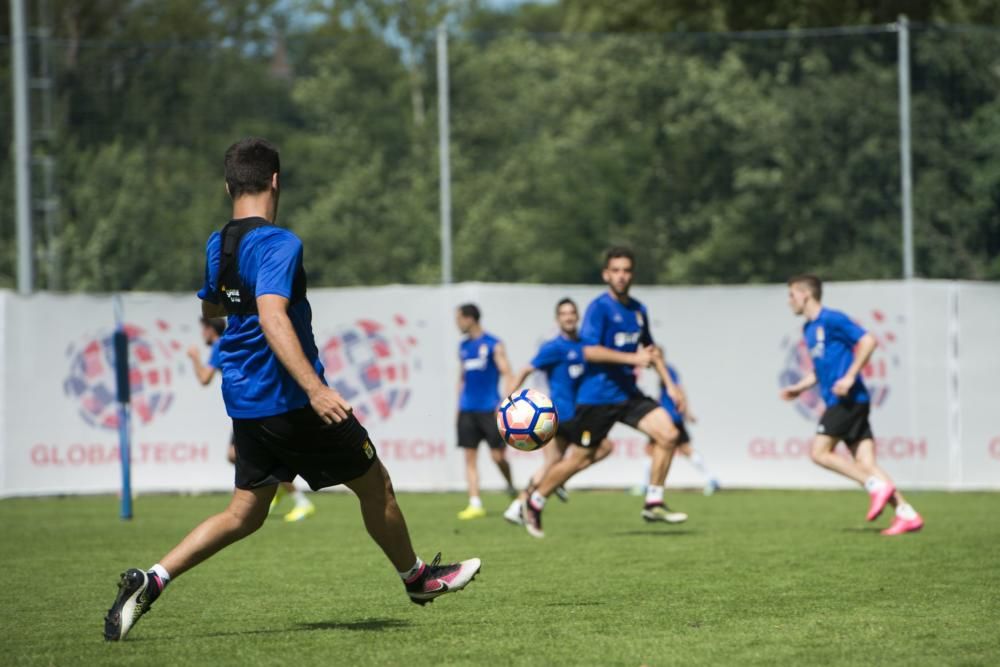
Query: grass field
765,578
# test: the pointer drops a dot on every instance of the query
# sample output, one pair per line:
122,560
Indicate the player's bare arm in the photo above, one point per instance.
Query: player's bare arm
203,372
503,365
519,380
281,338
642,357
675,393
863,352
792,391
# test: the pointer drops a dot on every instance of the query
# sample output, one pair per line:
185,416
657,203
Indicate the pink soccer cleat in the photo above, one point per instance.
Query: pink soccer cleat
880,497
435,579
901,525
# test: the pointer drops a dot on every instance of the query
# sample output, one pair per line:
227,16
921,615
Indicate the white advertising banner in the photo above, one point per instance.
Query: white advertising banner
393,352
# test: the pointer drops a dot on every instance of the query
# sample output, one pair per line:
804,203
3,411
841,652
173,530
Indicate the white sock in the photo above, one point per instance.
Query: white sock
515,505
412,572
475,501
647,470
906,511
538,500
300,499
162,573
873,483
699,463
654,495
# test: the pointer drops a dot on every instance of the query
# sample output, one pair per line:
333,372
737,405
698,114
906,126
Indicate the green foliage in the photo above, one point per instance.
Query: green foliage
721,158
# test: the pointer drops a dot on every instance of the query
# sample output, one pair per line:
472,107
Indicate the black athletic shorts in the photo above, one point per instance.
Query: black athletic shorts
592,423
846,421
474,427
276,449
567,430
682,434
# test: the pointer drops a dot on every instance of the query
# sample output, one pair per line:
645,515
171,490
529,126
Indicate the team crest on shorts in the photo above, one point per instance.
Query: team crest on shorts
585,439
369,450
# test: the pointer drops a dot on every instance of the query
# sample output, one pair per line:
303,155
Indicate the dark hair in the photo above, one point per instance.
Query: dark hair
217,323
469,310
250,163
812,283
614,252
566,301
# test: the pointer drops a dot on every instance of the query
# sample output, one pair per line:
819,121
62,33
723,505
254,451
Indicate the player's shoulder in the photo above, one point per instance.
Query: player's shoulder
834,316
491,339
214,240
272,235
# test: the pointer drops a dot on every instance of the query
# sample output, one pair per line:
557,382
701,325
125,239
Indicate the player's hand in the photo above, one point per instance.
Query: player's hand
329,405
194,353
644,357
678,397
842,387
789,393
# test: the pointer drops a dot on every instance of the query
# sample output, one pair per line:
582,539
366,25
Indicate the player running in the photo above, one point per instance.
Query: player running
840,349
211,332
616,340
286,419
561,359
483,364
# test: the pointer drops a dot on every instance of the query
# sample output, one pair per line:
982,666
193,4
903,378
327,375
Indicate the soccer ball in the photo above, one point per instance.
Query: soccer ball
527,420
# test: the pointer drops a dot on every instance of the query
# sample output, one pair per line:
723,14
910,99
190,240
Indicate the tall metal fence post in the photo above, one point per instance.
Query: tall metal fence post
22,146
444,129
905,162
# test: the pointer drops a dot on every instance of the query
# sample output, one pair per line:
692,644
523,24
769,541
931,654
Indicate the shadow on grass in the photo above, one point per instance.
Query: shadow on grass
363,625
652,532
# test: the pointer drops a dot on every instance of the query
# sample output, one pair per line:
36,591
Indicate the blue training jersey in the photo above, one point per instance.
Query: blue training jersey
618,326
667,402
214,358
254,382
479,373
831,338
561,359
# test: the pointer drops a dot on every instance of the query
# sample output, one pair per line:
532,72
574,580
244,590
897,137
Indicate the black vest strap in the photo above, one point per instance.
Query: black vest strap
236,297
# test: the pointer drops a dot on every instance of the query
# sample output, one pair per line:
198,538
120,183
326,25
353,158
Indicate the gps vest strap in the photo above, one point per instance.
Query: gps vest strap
235,296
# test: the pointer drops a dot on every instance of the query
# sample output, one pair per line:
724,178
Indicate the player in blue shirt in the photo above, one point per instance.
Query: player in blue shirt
616,340
286,419
211,332
839,349
482,366
561,359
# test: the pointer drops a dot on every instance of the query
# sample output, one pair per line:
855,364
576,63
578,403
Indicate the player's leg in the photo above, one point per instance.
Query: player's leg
487,424
822,453
685,448
137,589
576,458
468,441
907,519
551,454
656,423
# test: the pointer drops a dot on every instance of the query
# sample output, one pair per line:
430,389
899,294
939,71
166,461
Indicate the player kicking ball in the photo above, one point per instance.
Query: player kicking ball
840,349
286,420
616,340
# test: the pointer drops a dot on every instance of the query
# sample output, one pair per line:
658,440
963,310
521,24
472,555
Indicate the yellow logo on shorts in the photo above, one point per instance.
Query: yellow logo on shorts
585,439
369,450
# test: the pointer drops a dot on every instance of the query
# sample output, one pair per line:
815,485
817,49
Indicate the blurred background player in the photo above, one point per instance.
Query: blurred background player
483,365
561,359
839,349
212,329
616,340
684,446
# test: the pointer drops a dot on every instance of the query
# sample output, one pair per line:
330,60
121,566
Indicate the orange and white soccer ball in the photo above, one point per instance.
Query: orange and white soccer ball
527,420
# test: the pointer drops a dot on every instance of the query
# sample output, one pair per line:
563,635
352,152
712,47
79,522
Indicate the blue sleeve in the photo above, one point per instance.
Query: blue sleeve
844,327
592,331
646,338
548,356
279,256
674,375
215,358
208,288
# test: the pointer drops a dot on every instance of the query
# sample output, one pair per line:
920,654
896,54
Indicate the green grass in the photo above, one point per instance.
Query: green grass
760,577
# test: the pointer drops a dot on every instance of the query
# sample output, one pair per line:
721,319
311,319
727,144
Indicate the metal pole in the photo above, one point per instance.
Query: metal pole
443,149
905,166
22,146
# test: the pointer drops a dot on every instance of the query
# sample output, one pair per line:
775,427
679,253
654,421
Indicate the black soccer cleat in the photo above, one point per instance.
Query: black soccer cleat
532,519
435,579
137,590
